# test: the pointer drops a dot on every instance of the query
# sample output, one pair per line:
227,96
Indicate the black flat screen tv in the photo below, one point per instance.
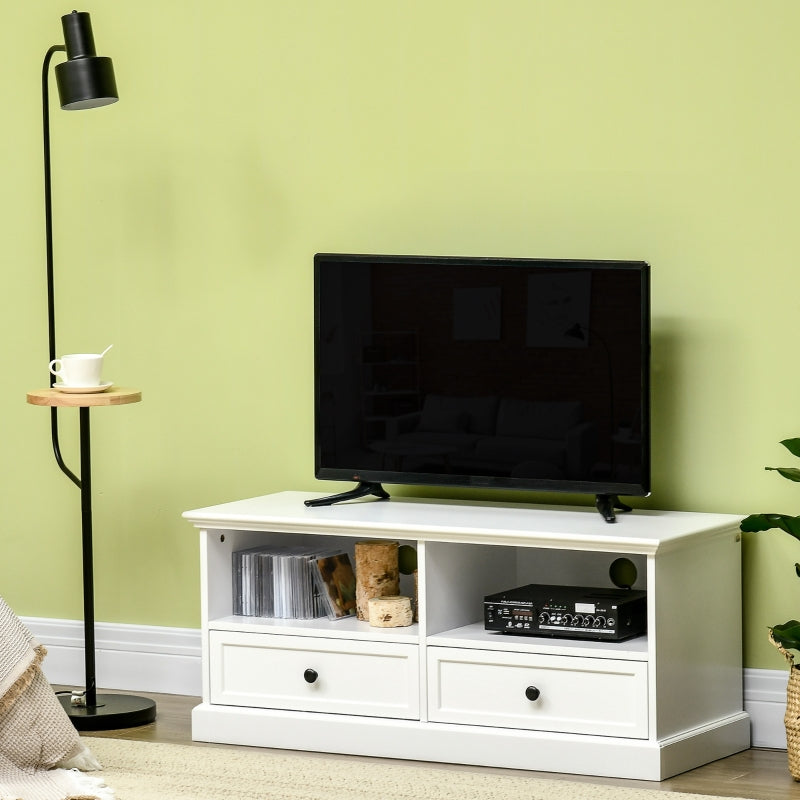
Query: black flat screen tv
500,373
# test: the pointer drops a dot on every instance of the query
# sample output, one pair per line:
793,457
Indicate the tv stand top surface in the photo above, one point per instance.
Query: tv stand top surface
480,522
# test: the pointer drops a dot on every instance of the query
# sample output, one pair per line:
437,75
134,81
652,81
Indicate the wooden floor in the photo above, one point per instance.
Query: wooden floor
758,774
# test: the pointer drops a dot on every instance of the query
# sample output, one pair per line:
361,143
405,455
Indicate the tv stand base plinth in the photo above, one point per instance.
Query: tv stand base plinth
601,756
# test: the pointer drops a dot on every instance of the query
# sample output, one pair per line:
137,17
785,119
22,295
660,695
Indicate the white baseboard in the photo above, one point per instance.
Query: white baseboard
167,660
765,701
130,657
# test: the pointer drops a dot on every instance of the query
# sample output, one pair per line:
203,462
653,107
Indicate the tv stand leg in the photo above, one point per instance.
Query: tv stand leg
606,503
363,489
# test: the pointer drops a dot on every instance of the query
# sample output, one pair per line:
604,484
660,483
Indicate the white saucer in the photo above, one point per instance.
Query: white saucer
82,389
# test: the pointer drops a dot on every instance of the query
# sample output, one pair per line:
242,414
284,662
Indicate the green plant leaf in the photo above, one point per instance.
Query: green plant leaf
788,634
792,473
793,446
764,522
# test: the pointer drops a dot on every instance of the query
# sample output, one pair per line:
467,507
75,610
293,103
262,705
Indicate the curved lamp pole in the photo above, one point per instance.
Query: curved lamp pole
84,80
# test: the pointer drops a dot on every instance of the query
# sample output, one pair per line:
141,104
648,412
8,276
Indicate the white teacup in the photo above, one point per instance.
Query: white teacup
78,370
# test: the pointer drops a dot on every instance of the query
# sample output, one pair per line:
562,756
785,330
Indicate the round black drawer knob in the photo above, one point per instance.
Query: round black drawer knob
532,693
310,675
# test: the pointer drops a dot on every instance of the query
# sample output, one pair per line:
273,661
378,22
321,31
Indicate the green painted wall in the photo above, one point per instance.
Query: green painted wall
252,134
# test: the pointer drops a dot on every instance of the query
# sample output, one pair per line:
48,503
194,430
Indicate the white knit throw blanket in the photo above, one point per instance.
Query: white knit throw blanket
40,751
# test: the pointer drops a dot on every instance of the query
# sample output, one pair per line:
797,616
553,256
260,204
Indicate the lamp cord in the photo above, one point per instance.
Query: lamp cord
48,221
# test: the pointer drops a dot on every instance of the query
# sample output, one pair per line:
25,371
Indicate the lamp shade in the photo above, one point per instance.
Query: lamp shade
85,80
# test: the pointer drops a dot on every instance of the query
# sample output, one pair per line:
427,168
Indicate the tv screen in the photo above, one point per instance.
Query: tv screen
525,374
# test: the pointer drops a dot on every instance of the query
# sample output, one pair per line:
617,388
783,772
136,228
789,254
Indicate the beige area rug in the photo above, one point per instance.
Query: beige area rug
154,771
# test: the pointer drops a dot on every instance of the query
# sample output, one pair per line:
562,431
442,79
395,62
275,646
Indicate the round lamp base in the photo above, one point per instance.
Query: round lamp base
112,711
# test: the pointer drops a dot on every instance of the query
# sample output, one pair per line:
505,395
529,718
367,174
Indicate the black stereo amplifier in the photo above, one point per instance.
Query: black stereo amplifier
569,612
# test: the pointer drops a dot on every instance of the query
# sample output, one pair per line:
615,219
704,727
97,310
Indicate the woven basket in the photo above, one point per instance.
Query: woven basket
791,719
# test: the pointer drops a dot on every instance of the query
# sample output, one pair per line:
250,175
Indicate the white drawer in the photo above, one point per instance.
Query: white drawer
575,695
300,673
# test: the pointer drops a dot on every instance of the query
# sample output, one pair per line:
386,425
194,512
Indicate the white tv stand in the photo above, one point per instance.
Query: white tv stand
446,690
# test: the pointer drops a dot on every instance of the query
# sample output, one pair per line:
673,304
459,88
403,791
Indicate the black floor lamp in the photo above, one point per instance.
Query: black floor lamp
85,80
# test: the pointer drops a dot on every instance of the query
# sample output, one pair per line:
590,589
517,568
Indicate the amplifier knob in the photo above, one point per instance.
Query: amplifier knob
544,618
310,675
588,620
532,693
567,620
599,622
578,621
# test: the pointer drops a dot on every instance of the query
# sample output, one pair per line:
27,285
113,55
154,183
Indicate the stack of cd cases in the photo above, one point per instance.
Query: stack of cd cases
292,583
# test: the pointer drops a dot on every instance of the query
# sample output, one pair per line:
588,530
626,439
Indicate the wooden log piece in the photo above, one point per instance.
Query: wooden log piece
377,573
390,612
